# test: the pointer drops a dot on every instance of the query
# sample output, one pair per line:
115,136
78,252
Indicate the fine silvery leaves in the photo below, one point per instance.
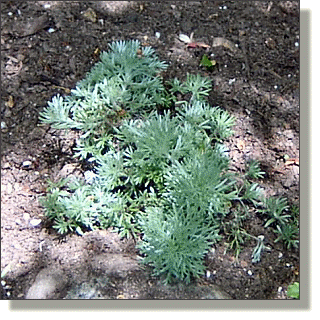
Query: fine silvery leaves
253,170
159,174
202,182
125,78
214,121
173,245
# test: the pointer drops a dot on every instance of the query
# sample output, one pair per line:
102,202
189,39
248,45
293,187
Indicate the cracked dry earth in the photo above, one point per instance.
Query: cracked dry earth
47,46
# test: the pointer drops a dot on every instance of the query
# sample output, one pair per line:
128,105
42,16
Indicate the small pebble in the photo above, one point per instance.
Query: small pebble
35,222
26,216
26,164
50,30
158,35
249,272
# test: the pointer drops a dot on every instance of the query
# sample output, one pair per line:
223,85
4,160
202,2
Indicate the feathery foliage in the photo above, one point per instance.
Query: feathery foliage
162,175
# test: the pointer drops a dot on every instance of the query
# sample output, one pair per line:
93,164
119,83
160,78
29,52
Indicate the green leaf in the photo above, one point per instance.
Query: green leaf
206,62
294,290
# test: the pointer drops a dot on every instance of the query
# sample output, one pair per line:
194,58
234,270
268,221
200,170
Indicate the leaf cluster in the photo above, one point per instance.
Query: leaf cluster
163,175
124,82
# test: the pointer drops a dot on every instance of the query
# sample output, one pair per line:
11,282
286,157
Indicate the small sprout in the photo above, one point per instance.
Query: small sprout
206,62
294,291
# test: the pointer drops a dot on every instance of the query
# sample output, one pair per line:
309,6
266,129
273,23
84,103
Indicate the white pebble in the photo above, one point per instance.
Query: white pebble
47,6
158,35
296,44
35,222
10,13
26,216
26,163
276,87
231,81
249,272
208,274
50,30
184,38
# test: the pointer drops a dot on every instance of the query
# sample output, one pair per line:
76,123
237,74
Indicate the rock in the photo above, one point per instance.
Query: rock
48,282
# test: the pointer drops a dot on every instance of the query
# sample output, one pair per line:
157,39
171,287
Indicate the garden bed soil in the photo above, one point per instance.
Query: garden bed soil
47,46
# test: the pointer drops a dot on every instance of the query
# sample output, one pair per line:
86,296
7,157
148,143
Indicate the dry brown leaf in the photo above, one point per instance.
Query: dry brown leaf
90,15
217,42
10,102
291,161
197,45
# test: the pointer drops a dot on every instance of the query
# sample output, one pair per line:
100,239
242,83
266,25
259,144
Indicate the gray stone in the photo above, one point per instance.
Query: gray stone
46,284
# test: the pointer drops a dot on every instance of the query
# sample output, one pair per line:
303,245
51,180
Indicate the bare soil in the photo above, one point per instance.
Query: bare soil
47,46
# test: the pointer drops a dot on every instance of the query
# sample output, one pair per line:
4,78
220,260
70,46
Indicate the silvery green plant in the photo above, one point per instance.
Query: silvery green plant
125,81
157,175
173,245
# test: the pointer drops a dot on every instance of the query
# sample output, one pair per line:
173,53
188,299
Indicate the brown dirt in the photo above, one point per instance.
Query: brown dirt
258,84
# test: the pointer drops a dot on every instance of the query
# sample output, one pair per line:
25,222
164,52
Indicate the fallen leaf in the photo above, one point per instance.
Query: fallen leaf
197,45
291,161
225,43
10,102
90,15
